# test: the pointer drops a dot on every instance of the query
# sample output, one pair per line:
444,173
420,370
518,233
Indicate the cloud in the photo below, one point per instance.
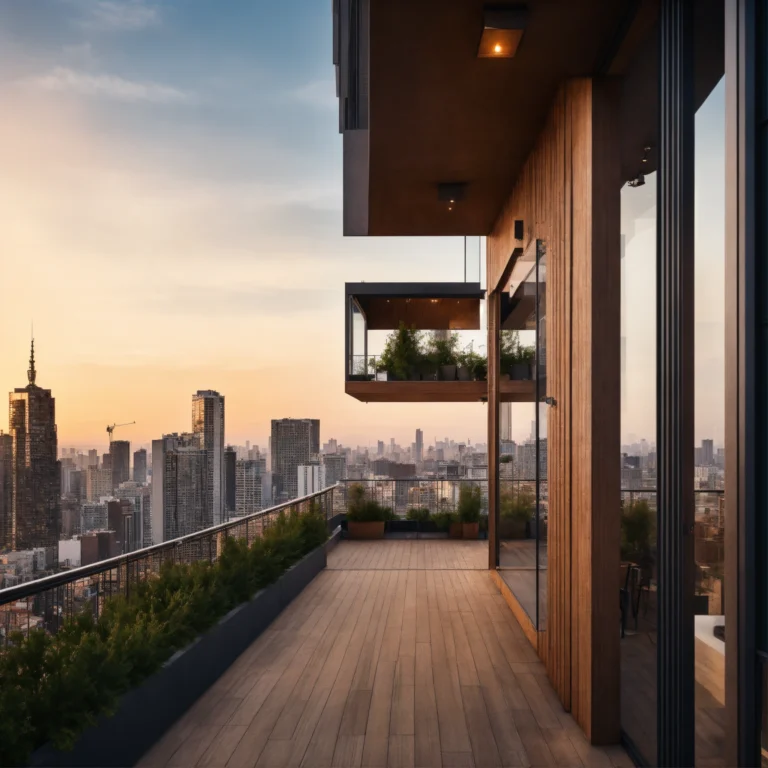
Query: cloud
118,15
79,55
317,93
66,80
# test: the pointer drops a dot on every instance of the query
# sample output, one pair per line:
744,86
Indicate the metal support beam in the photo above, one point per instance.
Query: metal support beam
494,352
675,390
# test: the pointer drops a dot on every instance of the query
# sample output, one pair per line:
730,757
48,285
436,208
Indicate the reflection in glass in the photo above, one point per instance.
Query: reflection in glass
523,463
638,572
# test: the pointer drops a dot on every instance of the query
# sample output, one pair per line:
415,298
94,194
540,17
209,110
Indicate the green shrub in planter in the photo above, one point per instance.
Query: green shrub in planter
443,520
470,503
516,511
52,687
402,353
421,514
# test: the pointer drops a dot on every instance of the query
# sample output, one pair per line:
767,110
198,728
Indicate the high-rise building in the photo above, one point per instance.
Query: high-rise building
140,497
248,485
505,422
310,478
93,458
293,441
140,466
6,489
93,517
106,461
120,461
335,468
208,425
98,483
707,453
181,502
419,454
35,513
380,448
230,480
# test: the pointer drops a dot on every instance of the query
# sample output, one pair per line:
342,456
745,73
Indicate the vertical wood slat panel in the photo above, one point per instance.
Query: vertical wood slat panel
567,196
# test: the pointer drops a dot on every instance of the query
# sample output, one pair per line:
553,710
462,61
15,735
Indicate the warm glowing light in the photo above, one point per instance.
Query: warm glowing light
497,48
451,202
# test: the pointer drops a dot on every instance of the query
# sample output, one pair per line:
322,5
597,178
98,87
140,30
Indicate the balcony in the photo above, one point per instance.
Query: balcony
414,367
400,652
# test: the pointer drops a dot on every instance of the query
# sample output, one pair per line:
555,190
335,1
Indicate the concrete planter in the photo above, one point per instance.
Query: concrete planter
358,530
144,714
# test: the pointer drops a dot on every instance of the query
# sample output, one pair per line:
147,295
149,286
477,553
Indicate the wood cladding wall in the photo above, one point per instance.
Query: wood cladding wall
568,194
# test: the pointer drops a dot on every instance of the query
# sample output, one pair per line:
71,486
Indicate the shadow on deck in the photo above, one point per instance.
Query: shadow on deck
401,653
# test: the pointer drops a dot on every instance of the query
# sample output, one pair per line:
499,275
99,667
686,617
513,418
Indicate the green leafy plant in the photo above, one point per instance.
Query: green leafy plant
403,352
362,509
638,532
475,362
516,506
442,351
52,687
511,351
470,503
443,520
421,514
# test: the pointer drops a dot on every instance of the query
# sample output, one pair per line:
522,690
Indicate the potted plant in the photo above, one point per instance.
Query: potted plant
479,368
365,517
638,533
516,512
402,354
420,514
443,352
442,521
522,368
470,503
455,526
466,364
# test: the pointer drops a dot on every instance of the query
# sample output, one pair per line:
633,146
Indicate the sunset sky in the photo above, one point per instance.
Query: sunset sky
171,221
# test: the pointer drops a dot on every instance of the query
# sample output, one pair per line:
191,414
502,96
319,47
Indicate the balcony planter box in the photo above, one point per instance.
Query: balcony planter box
358,530
144,714
360,377
462,373
448,373
470,530
456,531
521,372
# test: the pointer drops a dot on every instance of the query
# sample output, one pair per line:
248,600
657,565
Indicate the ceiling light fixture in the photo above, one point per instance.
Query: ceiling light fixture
503,28
451,192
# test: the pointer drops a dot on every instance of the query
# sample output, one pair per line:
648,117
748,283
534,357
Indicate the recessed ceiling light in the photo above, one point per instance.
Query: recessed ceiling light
503,29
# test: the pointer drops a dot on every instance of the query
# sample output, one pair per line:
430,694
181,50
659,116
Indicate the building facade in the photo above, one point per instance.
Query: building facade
35,475
230,480
140,466
120,461
181,499
6,490
140,497
310,479
248,487
335,465
208,425
98,483
294,442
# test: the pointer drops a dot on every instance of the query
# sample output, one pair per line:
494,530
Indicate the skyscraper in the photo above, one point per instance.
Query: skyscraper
98,483
419,446
310,478
140,466
35,515
6,489
181,502
293,441
707,453
335,467
120,460
230,480
208,426
248,484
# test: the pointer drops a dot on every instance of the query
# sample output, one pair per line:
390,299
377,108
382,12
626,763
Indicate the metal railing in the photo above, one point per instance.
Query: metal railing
46,603
402,494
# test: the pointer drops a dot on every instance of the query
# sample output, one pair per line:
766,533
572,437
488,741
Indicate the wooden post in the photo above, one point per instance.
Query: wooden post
493,428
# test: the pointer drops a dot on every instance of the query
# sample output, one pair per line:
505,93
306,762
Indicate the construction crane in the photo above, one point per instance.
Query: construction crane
111,428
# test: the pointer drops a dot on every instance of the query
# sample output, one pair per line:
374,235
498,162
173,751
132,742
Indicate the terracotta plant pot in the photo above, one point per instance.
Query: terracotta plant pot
456,531
365,530
470,530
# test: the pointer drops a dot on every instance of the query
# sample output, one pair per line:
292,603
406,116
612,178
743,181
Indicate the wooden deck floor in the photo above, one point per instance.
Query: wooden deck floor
384,664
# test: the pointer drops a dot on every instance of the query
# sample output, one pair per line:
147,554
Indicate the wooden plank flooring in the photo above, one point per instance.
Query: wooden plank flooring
401,653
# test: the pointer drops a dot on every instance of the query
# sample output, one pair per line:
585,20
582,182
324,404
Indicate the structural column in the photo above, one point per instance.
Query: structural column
493,308
675,391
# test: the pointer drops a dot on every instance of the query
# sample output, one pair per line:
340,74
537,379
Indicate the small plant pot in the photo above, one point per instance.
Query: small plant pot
360,531
462,372
456,531
470,530
520,371
448,372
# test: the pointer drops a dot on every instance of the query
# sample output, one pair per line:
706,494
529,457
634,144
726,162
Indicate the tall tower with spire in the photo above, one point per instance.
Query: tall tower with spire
35,513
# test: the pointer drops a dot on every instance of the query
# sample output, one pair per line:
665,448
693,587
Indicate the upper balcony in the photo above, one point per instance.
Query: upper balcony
423,359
